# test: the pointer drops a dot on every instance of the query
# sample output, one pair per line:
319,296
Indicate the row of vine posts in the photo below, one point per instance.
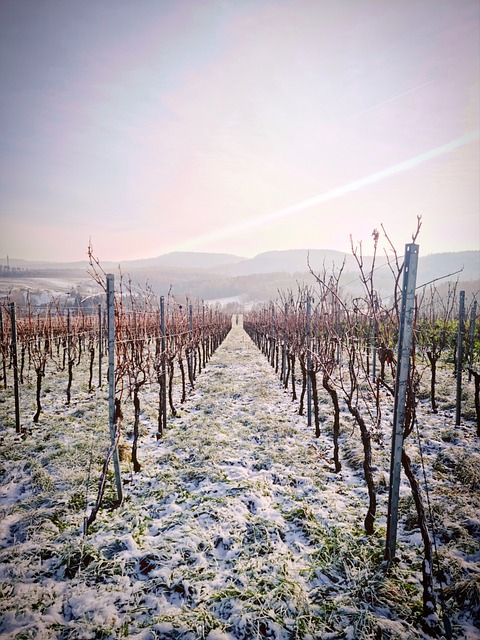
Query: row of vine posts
148,342
362,350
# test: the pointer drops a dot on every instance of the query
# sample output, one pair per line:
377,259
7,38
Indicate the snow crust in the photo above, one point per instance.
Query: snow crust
236,527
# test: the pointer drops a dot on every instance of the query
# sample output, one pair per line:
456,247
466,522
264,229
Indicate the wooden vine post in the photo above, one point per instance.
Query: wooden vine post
405,335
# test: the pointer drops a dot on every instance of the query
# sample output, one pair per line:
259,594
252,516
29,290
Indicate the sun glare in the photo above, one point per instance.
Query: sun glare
331,194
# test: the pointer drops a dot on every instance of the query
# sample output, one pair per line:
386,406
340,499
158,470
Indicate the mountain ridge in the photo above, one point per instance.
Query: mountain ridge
288,261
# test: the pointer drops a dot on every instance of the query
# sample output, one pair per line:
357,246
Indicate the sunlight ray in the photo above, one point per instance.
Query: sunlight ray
332,194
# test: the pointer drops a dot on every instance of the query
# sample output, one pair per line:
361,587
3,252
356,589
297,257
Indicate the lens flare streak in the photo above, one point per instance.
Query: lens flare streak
337,192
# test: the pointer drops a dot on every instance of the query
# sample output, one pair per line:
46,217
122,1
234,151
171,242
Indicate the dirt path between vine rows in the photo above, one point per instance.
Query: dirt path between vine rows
245,527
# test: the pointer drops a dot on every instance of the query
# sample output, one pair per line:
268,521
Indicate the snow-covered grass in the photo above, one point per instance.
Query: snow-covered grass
236,527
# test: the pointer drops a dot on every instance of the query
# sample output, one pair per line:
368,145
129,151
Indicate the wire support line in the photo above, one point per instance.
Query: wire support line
195,340
168,336
420,286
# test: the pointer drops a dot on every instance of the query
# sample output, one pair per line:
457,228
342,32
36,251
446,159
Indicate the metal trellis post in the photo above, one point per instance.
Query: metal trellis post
309,361
473,318
375,335
4,360
111,380
203,336
190,328
100,345
18,427
272,338
401,379
461,331
284,345
164,369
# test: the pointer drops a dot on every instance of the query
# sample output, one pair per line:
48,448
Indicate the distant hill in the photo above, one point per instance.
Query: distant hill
18,263
430,266
177,259
186,260
436,265
294,261
210,276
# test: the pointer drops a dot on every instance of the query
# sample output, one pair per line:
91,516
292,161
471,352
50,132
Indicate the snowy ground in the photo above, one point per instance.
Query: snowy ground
235,528
46,287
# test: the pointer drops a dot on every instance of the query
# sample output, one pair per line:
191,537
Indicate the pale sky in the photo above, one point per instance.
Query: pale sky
236,126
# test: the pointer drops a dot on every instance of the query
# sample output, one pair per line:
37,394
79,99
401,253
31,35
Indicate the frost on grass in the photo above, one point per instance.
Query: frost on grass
236,527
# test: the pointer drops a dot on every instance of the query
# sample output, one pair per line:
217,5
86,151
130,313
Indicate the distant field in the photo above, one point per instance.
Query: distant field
44,289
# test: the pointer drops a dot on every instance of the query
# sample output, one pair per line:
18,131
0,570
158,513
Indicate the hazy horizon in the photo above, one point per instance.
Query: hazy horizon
237,128
13,260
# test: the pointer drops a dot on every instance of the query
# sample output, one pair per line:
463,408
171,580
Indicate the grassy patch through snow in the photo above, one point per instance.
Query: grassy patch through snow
235,528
